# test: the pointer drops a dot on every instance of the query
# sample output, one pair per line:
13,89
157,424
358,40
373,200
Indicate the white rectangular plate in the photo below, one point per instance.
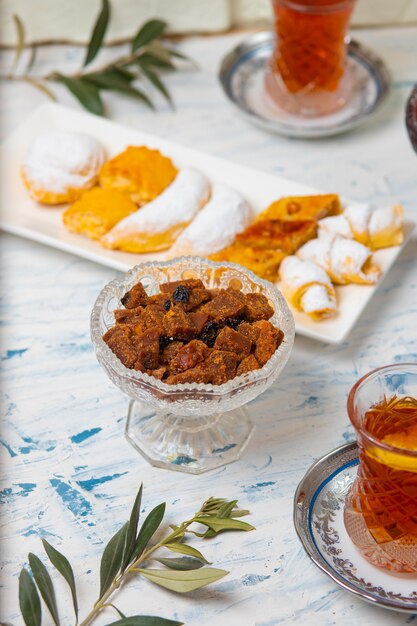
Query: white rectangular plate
21,216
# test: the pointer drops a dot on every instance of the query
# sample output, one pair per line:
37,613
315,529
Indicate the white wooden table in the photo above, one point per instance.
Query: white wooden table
67,472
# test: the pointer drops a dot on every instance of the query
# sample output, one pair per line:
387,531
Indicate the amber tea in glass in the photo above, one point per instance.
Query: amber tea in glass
307,73
381,507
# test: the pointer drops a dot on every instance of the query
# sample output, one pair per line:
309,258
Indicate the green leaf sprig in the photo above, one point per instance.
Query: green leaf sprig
149,57
129,553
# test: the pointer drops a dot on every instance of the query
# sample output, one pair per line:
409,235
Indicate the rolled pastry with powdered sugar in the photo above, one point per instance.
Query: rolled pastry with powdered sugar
345,260
308,288
375,228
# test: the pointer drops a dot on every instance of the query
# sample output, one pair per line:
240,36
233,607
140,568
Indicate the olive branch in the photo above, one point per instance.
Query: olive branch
149,57
128,554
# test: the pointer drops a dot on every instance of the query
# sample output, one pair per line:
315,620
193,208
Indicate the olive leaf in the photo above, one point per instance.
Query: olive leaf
99,32
183,548
45,586
87,93
219,524
132,529
117,80
20,45
182,563
240,513
149,527
29,602
149,31
183,582
145,620
64,568
111,561
153,77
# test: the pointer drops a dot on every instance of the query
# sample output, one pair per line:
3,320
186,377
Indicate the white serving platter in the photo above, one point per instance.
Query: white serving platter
21,216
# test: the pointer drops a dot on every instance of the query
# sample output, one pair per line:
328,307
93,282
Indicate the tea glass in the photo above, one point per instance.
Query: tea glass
380,512
189,427
307,74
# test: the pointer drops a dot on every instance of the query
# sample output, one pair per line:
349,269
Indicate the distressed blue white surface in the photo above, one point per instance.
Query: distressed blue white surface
67,472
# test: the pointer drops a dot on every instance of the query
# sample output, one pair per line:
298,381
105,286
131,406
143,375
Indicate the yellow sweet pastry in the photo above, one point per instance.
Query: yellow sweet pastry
97,211
263,262
140,171
60,165
302,208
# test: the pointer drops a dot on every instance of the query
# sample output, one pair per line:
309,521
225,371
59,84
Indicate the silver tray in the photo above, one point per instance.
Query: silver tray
318,520
241,75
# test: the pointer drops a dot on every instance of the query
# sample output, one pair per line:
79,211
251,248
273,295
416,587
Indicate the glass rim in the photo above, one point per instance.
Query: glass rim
354,420
311,7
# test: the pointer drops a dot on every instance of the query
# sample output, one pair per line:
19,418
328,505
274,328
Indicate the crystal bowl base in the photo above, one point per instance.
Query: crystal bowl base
187,444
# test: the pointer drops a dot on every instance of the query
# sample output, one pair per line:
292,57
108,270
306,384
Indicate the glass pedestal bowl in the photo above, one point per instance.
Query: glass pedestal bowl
189,427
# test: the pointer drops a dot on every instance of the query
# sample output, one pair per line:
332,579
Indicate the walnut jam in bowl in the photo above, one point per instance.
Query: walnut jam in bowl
191,342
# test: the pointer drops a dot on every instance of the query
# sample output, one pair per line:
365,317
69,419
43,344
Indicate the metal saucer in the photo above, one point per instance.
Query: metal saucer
318,520
241,75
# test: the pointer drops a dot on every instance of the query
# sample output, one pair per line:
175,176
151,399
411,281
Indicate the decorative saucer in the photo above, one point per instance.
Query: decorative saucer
318,519
242,78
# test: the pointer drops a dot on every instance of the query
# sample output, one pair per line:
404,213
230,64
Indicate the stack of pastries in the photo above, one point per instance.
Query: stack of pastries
139,201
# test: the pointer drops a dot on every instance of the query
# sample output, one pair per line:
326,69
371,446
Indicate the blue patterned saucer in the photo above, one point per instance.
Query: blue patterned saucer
241,75
318,519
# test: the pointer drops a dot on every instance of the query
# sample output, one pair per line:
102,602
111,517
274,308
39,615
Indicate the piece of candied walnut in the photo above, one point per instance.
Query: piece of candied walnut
159,372
233,341
223,306
136,296
128,316
257,307
169,352
197,374
237,293
147,348
248,364
178,325
268,340
153,317
249,330
118,338
190,283
189,356
221,366
199,319
158,299
197,296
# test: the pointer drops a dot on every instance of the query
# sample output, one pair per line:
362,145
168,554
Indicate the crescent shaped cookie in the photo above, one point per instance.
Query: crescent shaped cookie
158,224
224,216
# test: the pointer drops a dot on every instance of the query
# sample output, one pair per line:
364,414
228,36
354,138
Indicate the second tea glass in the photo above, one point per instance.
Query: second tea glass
381,508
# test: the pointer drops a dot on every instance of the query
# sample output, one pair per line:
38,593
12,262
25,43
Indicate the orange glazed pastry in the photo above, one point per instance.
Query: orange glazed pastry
140,171
264,244
97,211
302,208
